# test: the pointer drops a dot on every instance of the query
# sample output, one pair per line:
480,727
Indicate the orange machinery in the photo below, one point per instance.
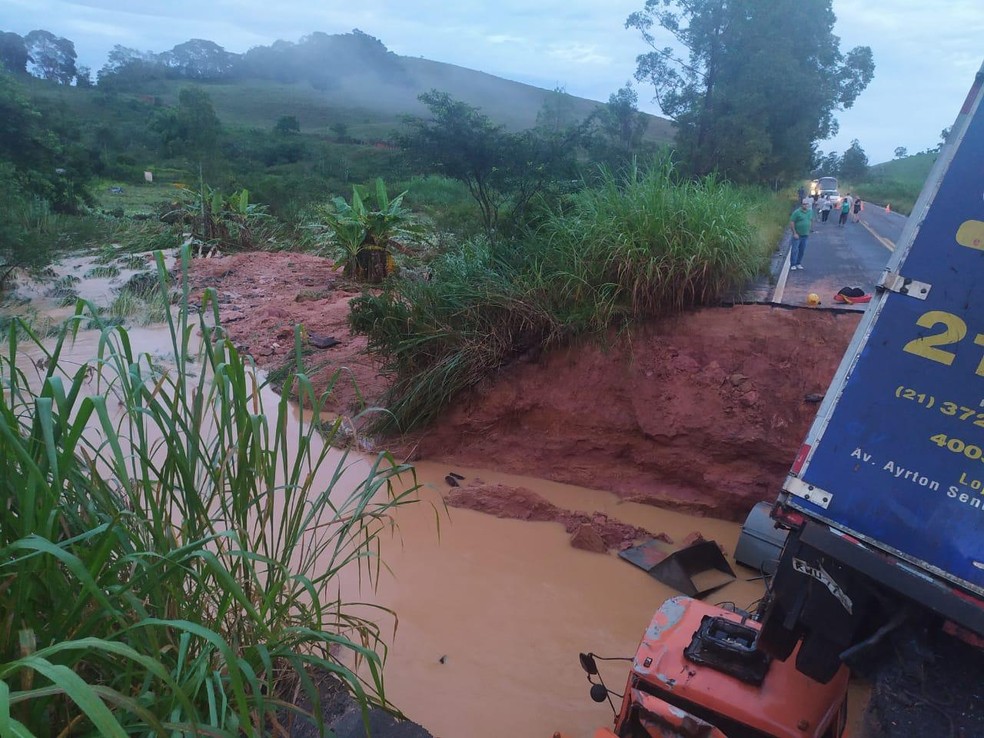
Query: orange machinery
698,673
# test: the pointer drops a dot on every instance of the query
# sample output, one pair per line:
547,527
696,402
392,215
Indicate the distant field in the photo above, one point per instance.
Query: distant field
896,183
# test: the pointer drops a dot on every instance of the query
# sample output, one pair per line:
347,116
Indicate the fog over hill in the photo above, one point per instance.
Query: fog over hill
352,71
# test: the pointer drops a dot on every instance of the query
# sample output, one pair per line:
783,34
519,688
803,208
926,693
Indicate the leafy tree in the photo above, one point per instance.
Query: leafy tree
760,83
200,59
503,171
287,124
901,152
340,130
826,165
854,163
38,173
127,68
557,113
621,120
192,129
13,52
944,136
51,56
83,77
363,235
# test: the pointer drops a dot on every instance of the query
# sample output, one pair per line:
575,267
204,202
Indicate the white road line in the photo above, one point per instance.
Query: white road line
781,282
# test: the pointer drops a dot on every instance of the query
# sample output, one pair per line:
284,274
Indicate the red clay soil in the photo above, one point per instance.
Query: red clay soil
595,532
262,296
703,412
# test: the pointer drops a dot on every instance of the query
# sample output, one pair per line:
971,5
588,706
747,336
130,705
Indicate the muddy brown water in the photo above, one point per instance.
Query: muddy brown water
490,613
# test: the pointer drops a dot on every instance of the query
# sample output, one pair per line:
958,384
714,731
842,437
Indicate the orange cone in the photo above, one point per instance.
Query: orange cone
888,208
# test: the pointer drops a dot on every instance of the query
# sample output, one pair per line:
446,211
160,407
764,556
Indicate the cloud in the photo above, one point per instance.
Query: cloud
578,54
498,38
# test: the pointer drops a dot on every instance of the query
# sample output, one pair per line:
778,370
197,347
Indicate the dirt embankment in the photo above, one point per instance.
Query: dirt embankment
702,412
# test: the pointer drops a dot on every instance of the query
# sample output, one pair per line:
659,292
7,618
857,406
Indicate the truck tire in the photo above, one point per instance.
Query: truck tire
818,658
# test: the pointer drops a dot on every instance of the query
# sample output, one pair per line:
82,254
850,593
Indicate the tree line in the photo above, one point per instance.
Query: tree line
752,88
317,58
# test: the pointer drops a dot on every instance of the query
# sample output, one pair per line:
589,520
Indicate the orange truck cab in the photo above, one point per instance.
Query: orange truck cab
699,674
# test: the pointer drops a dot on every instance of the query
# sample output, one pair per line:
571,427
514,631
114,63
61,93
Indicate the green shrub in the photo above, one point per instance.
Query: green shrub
168,552
629,248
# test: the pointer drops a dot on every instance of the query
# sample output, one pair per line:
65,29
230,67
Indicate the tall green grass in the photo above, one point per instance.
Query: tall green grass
170,549
632,246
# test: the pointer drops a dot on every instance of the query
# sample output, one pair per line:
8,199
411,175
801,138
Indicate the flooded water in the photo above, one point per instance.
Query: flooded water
507,605
492,613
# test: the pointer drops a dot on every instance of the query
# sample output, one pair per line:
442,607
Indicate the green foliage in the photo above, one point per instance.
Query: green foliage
633,247
360,235
621,120
504,172
227,221
896,183
170,552
38,159
51,57
287,124
854,163
447,204
192,129
13,53
760,84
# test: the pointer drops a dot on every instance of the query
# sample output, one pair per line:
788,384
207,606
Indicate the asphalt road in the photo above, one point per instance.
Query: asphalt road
853,255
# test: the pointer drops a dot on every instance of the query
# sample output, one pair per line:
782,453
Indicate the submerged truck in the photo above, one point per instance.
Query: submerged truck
884,504
885,499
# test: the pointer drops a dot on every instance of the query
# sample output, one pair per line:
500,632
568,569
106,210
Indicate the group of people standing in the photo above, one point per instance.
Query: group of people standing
802,220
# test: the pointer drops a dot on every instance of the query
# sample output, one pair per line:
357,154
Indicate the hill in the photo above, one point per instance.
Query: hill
910,169
897,182
373,103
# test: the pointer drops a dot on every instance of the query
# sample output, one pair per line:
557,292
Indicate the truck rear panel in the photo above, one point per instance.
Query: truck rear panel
896,454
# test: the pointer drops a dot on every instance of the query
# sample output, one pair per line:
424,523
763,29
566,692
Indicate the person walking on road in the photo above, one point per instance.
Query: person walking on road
825,207
844,210
801,223
858,207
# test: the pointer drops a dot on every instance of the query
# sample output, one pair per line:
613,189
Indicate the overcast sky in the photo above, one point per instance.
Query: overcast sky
926,52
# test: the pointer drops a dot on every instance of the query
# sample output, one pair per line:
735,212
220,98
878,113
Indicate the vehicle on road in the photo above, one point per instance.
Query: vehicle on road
824,186
885,500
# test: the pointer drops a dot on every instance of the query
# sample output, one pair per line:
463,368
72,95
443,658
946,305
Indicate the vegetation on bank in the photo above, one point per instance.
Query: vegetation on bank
170,548
633,246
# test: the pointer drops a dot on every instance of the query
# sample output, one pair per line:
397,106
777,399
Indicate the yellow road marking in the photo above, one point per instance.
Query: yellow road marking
881,239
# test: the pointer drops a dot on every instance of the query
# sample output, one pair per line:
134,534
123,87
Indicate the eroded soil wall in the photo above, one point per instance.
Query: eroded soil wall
702,412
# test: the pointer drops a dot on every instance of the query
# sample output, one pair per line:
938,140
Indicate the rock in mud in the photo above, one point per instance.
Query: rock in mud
319,341
587,538
343,717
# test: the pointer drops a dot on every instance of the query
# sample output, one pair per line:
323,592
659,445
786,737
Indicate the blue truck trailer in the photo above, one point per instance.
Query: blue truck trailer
885,500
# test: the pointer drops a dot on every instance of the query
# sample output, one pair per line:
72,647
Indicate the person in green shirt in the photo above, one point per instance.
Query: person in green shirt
801,223
845,209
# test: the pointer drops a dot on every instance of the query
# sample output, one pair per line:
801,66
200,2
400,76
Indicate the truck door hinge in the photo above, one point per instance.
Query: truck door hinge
904,286
810,493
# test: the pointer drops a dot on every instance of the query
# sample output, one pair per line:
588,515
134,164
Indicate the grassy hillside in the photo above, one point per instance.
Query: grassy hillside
910,169
896,182
371,104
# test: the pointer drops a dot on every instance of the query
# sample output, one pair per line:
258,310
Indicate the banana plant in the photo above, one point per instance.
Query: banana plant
362,236
224,222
